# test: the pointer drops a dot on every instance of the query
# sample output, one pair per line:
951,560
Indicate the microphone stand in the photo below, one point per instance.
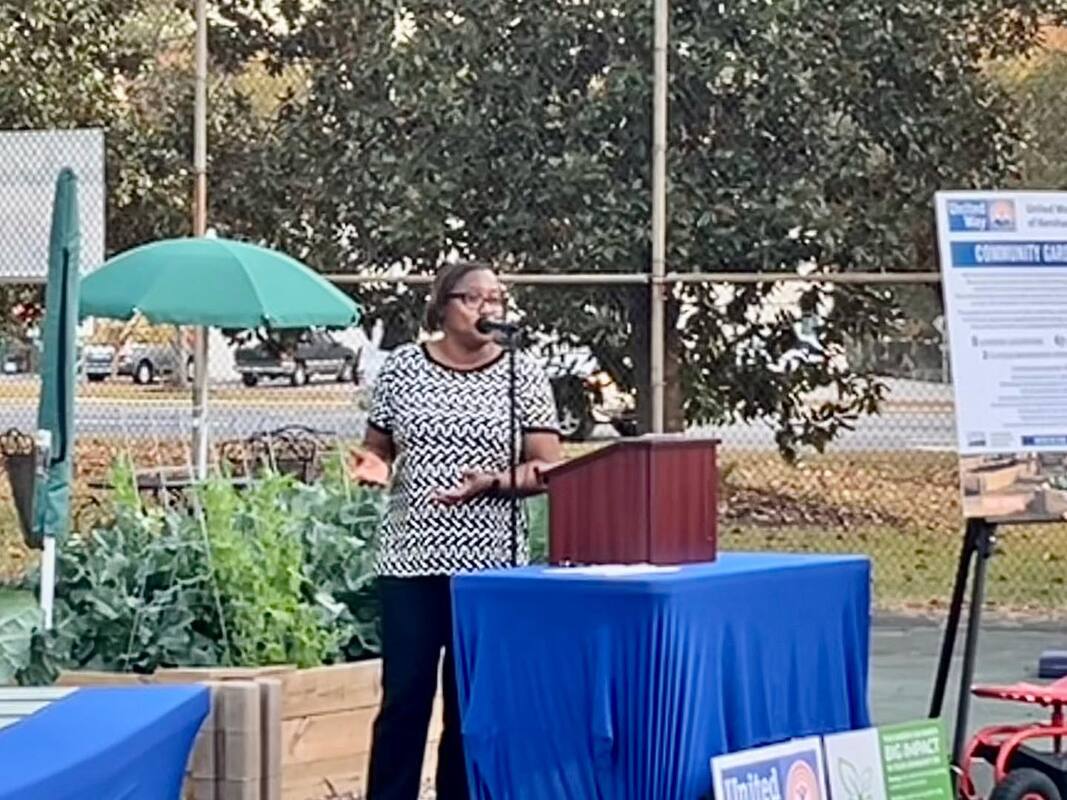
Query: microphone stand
511,344
509,337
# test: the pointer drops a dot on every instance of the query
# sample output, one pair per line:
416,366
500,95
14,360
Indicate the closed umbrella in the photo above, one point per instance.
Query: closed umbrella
55,412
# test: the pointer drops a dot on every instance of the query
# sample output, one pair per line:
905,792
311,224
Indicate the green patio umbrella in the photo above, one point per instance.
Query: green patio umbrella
214,283
55,412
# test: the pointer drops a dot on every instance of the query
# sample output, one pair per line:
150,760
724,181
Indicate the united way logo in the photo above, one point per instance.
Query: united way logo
1002,215
791,770
801,783
973,216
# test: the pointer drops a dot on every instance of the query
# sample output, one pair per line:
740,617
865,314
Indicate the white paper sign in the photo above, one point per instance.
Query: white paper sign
854,765
614,570
1004,268
908,761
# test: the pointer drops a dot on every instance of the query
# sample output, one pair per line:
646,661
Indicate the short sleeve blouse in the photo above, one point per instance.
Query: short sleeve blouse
444,421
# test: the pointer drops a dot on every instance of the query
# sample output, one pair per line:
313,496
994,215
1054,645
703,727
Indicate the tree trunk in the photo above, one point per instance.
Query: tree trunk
673,396
640,322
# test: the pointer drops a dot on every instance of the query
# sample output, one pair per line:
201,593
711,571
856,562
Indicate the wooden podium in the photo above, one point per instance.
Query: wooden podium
650,499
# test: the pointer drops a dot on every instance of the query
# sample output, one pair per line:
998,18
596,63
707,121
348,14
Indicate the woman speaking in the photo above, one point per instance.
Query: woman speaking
438,436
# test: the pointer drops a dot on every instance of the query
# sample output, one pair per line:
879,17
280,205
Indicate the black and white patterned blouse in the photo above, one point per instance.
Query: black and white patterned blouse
444,421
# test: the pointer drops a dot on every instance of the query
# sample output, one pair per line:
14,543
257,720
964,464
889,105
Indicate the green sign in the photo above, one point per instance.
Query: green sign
895,762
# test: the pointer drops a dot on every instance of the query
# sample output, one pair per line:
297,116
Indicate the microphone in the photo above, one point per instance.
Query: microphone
486,325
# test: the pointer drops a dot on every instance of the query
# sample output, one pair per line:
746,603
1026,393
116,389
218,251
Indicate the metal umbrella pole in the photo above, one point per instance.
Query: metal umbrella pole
200,346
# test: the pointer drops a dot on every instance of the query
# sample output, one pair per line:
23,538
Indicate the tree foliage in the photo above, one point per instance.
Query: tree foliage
125,67
803,136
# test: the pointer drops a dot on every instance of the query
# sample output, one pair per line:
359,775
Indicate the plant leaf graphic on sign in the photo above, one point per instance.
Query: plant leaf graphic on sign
857,787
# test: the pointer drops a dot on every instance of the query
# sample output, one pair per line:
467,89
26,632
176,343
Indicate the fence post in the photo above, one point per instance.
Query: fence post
657,338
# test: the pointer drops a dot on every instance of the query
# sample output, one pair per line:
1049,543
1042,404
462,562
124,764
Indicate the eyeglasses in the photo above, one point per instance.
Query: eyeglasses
476,300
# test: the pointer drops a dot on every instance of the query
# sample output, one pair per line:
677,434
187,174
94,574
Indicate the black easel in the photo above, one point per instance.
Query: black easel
979,539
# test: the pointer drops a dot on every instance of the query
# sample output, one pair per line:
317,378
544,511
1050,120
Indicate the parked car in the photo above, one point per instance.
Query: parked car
595,399
296,358
18,356
142,361
98,361
134,349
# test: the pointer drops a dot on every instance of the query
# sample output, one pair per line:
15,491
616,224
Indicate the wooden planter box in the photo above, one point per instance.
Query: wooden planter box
279,733
987,479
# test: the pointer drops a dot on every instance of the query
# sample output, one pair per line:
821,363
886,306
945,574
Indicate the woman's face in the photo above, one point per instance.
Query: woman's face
477,294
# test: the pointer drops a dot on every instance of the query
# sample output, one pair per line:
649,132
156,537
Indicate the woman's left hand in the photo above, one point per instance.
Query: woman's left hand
473,483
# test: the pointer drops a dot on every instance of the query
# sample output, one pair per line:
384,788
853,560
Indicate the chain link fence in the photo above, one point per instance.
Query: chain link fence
886,485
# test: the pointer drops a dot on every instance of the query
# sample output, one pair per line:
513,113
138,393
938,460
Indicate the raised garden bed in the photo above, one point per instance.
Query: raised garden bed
278,733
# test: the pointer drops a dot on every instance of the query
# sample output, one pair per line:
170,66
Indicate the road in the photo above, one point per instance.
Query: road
917,417
101,416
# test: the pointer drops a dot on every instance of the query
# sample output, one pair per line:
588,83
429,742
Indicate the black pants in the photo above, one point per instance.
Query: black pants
416,617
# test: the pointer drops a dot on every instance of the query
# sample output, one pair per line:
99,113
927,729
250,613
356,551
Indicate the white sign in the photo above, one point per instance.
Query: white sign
854,765
30,162
791,770
1004,267
895,762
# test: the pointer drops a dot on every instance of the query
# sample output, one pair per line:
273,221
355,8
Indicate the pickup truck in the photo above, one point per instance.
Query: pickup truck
296,358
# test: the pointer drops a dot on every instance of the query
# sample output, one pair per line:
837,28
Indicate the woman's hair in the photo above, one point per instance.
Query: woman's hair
444,283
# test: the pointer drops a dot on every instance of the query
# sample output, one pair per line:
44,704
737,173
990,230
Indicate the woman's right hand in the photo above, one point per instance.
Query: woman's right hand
371,470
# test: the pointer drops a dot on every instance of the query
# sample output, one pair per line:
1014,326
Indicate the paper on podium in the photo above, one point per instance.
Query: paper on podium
614,570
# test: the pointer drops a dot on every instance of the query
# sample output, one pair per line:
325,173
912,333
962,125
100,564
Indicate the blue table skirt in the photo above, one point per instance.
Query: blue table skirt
115,743
587,687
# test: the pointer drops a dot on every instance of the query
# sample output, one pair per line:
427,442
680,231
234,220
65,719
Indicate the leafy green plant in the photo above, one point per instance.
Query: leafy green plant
341,521
19,616
275,572
537,514
130,597
257,554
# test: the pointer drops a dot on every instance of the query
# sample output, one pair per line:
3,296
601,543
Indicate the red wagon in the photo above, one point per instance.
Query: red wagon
1021,771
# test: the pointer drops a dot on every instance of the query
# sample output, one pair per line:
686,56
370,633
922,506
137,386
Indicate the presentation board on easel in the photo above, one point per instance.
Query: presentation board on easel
1004,269
1003,261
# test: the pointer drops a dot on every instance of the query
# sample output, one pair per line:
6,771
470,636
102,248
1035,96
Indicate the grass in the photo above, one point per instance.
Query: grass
914,571
900,508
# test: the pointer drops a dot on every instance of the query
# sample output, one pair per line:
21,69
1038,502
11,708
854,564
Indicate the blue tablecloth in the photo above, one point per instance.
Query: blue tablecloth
115,743
579,687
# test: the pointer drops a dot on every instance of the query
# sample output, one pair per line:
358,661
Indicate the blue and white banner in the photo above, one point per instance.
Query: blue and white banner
1008,254
905,761
789,771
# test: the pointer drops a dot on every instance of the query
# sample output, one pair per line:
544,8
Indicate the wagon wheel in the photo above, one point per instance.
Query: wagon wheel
1025,784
